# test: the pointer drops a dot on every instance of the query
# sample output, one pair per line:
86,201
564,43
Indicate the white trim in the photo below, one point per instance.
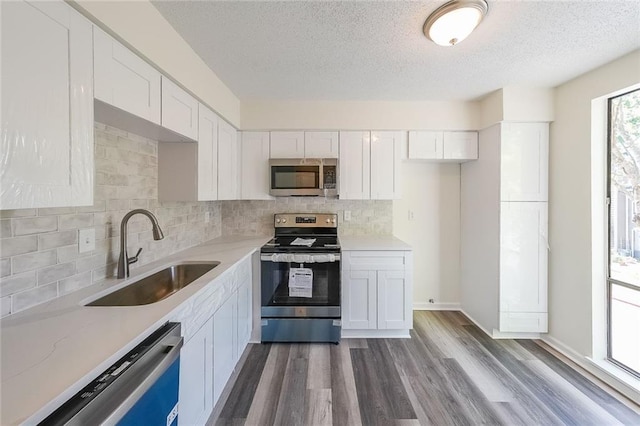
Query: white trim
502,335
426,306
476,323
372,334
615,377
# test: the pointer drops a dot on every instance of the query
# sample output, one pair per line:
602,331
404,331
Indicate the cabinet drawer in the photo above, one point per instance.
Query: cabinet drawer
374,260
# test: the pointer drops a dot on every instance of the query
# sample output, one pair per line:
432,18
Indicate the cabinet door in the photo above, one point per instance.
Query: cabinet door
287,144
525,162
321,144
179,110
460,145
224,344
355,163
523,257
425,145
47,106
196,379
359,300
385,165
394,301
125,80
254,177
207,154
244,317
227,162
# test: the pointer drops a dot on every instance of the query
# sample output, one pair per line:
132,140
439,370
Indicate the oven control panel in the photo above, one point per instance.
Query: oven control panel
302,220
305,219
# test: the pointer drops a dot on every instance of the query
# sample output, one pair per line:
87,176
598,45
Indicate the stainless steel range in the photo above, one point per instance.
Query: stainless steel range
300,270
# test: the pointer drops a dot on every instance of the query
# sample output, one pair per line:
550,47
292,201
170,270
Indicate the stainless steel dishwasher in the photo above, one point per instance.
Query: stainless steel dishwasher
140,389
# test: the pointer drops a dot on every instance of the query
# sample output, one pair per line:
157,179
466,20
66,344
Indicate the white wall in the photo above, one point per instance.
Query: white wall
517,104
360,115
431,192
140,25
570,202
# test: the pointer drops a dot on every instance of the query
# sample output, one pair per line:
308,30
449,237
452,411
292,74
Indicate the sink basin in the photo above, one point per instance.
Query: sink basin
156,287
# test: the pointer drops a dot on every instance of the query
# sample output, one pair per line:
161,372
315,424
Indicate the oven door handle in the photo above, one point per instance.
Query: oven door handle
300,258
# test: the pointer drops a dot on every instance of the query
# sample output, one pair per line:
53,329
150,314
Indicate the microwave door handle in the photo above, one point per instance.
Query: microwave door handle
321,177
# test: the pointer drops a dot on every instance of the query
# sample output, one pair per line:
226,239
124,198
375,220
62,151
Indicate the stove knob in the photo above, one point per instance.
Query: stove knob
277,220
284,220
333,221
328,221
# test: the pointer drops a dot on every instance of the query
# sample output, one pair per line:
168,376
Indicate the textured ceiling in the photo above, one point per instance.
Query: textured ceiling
372,50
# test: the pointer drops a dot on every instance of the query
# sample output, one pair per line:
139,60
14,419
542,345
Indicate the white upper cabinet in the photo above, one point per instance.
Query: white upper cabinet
287,144
525,162
443,146
461,146
425,145
321,144
47,106
385,164
125,80
179,110
254,164
354,163
227,162
207,154
189,171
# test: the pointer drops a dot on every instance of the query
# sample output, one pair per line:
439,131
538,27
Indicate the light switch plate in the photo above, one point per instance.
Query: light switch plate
347,215
86,240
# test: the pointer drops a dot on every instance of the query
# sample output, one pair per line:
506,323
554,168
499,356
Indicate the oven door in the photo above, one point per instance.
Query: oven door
287,177
306,290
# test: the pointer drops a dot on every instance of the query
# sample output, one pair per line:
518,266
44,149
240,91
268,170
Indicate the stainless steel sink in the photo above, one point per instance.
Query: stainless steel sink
156,287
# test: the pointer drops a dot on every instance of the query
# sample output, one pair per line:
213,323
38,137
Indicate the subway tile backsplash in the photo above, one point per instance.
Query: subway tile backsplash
39,247
368,217
39,258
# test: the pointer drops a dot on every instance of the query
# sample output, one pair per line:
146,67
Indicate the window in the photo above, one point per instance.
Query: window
624,231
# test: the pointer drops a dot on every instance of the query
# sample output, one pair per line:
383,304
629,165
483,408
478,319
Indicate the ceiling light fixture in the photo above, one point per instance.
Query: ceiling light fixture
452,22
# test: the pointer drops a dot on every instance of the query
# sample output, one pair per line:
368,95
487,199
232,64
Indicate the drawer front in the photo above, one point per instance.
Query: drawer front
374,260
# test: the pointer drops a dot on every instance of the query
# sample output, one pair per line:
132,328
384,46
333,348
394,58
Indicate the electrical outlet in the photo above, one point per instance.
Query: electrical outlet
347,215
432,301
410,215
207,217
86,240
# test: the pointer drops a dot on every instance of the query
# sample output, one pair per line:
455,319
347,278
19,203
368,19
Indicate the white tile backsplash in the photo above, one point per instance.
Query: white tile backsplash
39,247
40,259
368,217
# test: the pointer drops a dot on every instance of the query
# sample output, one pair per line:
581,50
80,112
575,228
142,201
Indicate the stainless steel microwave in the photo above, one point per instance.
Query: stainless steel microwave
303,177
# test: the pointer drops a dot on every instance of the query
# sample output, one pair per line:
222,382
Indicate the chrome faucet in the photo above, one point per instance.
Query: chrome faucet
124,260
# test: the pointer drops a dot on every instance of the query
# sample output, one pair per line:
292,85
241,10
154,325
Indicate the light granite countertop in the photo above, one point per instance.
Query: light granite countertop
49,352
373,242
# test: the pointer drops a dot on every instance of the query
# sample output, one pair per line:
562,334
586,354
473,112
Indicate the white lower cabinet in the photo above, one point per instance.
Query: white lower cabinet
209,357
244,315
224,344
377,293
196,377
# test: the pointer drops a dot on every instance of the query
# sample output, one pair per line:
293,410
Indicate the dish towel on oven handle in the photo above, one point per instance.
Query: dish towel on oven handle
302,258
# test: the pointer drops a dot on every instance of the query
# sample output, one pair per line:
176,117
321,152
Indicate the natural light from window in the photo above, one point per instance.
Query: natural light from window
624,230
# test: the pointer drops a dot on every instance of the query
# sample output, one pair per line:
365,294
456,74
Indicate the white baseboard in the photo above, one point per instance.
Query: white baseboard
495,334
425,306
623,382
372,334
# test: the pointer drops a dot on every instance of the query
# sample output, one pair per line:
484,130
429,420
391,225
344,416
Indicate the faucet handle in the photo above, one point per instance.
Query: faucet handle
134,259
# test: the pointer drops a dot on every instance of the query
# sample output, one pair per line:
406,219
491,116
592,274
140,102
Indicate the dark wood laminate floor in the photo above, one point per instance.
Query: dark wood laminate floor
448,373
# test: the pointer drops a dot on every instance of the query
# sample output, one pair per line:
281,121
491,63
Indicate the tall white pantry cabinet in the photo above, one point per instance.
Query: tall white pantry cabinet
504,205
